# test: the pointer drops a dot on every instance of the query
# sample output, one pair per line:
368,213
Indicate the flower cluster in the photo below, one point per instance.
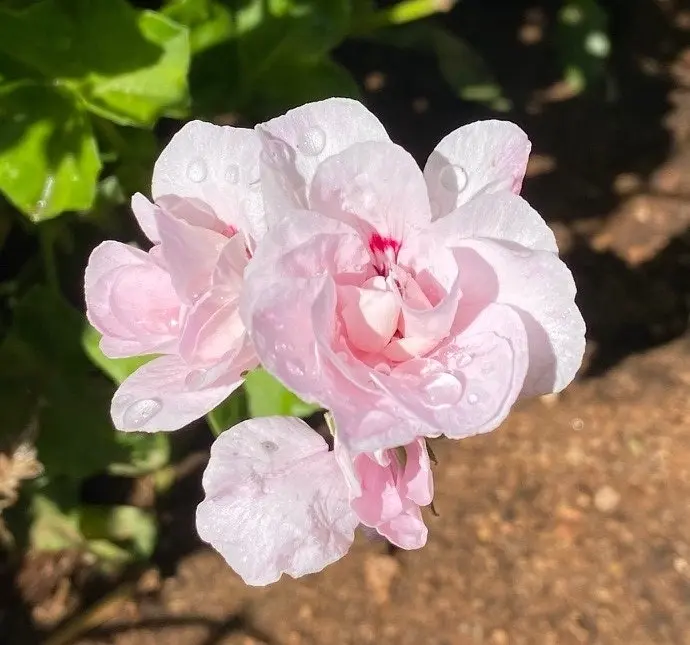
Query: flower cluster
411,304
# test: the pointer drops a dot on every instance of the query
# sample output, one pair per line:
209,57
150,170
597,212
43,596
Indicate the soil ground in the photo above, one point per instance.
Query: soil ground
570,523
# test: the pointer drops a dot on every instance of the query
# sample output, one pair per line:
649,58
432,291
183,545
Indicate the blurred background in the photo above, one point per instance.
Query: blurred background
569,524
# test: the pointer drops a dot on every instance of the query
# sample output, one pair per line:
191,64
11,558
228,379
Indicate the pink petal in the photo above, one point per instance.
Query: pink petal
468,385
275,501
539,286
407,530
379,500
376,187
167,394
213,328
485,156
370,314
130,300
403,349
191,254
417,483
499,216
297,142
232,261
144,212
218,165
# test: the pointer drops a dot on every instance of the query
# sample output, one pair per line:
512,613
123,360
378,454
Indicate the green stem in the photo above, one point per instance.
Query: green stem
401,13
47,240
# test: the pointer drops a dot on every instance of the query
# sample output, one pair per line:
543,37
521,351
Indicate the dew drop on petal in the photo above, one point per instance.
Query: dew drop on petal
232,174
269,446
140,412
472,399
313,141
197,171
196,379
454,178
442,388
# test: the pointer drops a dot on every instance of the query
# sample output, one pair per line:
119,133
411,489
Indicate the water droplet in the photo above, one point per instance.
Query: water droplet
196,379
442,389
313,141
196,170
295,367
269,446
454,178
140,412
472,399
232,174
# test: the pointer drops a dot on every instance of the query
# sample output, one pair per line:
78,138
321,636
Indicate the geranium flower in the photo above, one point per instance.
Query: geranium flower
180,299
278,501
409,303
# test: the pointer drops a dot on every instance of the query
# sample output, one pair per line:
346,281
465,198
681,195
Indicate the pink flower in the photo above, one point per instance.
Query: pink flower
410,304
181,298
277,501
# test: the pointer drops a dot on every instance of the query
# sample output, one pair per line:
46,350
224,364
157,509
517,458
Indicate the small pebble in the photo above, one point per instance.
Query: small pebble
606,499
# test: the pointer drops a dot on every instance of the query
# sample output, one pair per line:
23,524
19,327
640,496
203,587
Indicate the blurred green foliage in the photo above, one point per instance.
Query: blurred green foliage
84,86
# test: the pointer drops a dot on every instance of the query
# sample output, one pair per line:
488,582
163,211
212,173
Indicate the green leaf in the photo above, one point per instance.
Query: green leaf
271,31
145,453
466,72
209,22
268,397
48,156
462,66
297,82
42,358
118,369
154,85
130,66
129,526
228,413
55,517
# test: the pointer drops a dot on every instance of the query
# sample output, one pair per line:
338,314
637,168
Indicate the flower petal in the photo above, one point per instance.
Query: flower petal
468,385
406,530
485,156
275,501
379,500
376,187
130,300
498,216
298,141
144,212
218,165
213,328
167,394
540,287
190,253
417,482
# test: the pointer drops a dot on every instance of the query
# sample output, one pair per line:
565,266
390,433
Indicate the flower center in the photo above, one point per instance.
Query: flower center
384,253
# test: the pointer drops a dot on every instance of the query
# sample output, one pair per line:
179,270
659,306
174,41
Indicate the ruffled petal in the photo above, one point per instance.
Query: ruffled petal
376,187
485,156
167,394
298,141
218,165
275,501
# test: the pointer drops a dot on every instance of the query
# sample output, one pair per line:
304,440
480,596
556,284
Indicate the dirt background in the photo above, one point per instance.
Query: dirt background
570,523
